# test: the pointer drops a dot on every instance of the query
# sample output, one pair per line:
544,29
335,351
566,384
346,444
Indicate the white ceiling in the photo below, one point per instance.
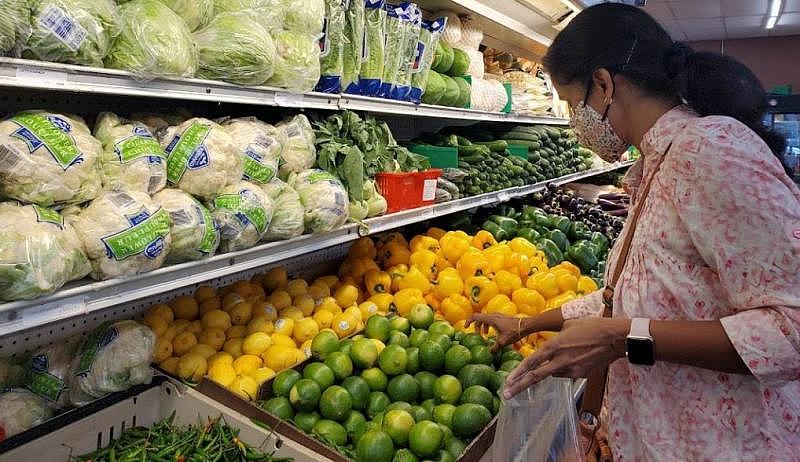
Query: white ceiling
723,19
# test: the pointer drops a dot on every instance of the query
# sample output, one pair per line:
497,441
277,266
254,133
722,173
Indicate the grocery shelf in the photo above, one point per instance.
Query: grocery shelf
83,297
39,75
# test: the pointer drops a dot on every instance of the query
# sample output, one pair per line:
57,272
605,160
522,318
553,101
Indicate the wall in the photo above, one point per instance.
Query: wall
775,60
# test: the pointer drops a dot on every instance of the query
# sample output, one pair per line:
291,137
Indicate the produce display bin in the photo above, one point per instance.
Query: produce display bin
404,191
439,156
519,150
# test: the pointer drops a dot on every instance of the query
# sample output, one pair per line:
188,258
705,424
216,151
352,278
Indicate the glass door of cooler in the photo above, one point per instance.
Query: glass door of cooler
783,115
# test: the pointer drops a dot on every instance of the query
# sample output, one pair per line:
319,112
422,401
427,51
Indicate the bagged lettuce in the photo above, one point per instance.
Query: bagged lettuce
195,234
411,30
296,61
48,372
269,13
304,16
429,35
132,158
21,410
123,233
39,252
353,45
259,144
154,42
48,159
332,46
394,38
201,157
299,150
15,25
324,199
236,48
287,221
374,53
195,13
244,212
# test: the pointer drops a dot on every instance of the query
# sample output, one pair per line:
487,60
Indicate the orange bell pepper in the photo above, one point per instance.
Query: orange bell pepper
396,273
447,283
425,260
361,266
473,263
435,232
377,281
431,300
456,308
391,237
453,246
479,290
424,242
393,254
507,282
528,301
483,240
363,248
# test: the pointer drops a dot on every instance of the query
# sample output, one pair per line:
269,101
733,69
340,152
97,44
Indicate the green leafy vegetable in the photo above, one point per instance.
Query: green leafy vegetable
353,46
372,65
196,13
14,24
332,46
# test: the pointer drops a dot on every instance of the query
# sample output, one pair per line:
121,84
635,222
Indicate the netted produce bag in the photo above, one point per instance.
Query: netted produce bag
297,65
48,159
39,252
48,372
132,158
259,144
22,410
244,212
114,357
194,232
124,233
15,26
287,221
299,150
324,199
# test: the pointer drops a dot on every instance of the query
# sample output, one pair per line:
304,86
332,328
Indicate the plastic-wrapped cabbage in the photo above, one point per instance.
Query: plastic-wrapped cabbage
306,16
132,158
39,252
201,157
72,31
21,410
12,374
113,358
269,13
260,145
324,199
48,372
299,150
194,233
123,233
244,212
14,25
287,221
195,13
154,42
296,61
48,159
235,47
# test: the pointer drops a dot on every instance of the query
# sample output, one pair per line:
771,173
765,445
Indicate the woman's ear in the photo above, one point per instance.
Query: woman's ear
603,83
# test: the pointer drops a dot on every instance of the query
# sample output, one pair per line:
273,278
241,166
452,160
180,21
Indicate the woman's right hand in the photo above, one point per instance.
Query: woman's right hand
509,330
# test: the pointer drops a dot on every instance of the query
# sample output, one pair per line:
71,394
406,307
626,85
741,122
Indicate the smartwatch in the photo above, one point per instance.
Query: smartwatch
641,349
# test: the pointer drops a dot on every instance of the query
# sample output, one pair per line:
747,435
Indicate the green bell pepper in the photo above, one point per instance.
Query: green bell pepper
508,224
582,255
559,238
496,230
601,241
559,222
541,220
529,233
578,231
551,251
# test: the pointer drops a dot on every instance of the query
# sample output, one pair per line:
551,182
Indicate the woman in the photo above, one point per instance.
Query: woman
713,271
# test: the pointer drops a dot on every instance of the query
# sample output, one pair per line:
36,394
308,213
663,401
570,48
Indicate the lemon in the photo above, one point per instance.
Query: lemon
319,290
264,309
279,357
156,323
262,374
328,304
280,299
241,313
245,387
260,325
256,294
306,348
274,278
191,366
296,287
305,303
170,365
292,312
344,324
247,364
213,337
323,319
236,332
367,309
203,350
163,311
284,326
162,350
169,334
195,327
233,347
209,304
230,300
216,319
181,325
222,373
329,280
346,295
185,307
355,312
256,343
243,288
221,356
283,339
203,293
183,343
304,330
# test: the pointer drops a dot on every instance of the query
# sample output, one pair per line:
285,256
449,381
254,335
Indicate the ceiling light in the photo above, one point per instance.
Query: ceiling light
771,22
775,9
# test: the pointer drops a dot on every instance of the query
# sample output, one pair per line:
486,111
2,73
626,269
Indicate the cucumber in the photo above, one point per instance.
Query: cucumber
463,141
473,150
494,146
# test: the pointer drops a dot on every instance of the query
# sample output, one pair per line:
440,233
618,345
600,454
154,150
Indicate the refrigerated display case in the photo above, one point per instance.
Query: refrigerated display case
783,116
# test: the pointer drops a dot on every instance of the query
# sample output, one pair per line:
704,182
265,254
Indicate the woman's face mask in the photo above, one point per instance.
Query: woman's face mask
595,132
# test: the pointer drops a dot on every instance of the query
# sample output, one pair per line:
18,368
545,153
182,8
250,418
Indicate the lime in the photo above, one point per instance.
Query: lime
397,424
443,414
304,395
398,405
419,413
398,338
324,343
393,360
425,380
473,339
509,355
481,354
477,394
362,428
364,353
447,434
400,323
475,374
443,340
420,316
403,388
377,419
412,367
445,456
431,356
496,403
280,407
340,364
357,337
510,365
378,327
446,389
283,382
331,432
498,380
358,389
417,337
375,378
377,403
351,423
455,358
319,373
459,335
306,420
375,446
469,419
425,439
404,455
455,447
335,403
442,327
346,345
429,405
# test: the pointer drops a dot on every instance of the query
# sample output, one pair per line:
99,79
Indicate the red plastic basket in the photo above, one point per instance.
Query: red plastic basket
404,191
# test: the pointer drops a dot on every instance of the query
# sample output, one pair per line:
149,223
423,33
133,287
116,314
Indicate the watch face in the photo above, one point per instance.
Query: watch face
641,351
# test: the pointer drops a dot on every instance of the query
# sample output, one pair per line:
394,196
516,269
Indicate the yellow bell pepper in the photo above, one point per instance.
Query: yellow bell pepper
363,248
560,299
377,281
425,260
473,263
424,242
396,273
441,261
570,267
435,232
384,302
544,282
415,279
431,300
456,308
586,285
453,246
537,265
479,290
518,264
566,280
497,256
507,282
483,240
523,246
392,237
393,254
406,298
528,301
500,304
447,283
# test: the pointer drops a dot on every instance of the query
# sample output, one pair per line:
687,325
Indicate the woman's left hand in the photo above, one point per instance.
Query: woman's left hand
582,346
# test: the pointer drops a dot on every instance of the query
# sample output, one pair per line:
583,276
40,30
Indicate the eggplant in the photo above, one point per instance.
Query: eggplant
618,213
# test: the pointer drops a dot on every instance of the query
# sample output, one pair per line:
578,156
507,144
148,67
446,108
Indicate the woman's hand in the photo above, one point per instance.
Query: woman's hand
583,345
509,330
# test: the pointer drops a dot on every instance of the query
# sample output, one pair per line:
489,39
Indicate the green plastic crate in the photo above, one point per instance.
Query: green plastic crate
439,156
519,150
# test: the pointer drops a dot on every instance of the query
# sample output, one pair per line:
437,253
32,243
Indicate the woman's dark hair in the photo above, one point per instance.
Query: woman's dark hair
625,40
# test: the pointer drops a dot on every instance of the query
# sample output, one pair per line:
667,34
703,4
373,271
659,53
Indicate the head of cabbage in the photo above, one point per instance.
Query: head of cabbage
132,158
288,219
48,371
299,150
269,13
48,159
39,252
306,16
123,233
72,31
195,233
195,13
296,61
324,200
154,42
201,157
260,145
244,212
15,25
21,410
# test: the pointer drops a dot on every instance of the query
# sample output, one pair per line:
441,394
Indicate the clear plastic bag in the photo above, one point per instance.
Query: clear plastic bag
21,410
297,65
195,234
538,425
244,212
259,144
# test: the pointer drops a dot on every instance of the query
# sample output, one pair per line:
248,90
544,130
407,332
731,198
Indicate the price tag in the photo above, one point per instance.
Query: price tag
54,311
503,196
289,99
43,76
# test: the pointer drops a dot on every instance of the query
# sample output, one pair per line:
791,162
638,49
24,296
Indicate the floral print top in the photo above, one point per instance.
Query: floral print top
718,239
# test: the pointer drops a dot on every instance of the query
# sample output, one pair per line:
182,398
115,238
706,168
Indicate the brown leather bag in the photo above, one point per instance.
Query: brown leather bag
592,434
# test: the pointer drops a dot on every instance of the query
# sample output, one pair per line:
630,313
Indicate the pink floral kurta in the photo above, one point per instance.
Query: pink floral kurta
719,238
